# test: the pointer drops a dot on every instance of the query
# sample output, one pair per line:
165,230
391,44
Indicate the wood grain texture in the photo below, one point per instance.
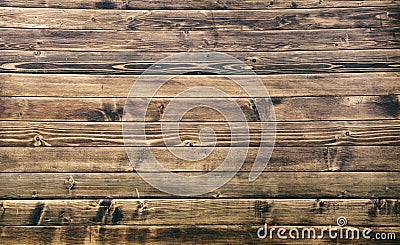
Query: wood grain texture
248,212
121,234
112,109
331,66
318,133
135,63
215,40
288,19
114,159
340,84
196,4
267,185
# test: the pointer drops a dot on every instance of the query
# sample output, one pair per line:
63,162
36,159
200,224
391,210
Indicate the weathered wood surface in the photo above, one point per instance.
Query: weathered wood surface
341,84
196,4
364,212
289,19
187,234
62,62
187,40
112,109
314,133
267,185
332,68
114,159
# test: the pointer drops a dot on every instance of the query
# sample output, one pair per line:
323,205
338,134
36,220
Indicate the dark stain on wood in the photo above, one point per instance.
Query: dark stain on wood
161,109
390,103
109,112
106,4
261,208
384,207
373,211
319,207
37,214
95,116
255,110
102,234
249,112
113,113
103,211
117,215
276,101
325,153
2,209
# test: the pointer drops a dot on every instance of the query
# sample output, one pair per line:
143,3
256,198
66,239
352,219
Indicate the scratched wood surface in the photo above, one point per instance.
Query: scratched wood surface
331,67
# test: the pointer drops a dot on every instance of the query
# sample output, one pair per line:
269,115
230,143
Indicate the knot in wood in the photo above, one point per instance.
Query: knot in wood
70,183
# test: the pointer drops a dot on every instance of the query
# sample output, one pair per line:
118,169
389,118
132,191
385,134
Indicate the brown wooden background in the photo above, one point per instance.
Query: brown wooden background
332,68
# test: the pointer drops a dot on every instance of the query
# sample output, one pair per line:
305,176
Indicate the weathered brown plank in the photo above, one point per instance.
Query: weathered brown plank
187,234
114,159
196,4
299,19
340,84
332,142
216,40
214,234
261,62
210,234
112,109
316,133
364,212
267,185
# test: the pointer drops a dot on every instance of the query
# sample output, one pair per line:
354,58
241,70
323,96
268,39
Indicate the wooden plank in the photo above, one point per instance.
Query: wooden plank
194,4
338,127
247,212
261,62
340,84
187,234
315,133
215,40
115,159
289,19
112,109
268,185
